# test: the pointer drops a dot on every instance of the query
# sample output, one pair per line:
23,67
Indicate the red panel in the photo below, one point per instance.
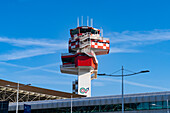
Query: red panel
92,46
79,34
77,46
100,47
84,61
107,41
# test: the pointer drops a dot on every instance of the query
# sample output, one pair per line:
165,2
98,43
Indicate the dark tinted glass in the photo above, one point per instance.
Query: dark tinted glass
68,60
94,31
83,30
76,31
4,107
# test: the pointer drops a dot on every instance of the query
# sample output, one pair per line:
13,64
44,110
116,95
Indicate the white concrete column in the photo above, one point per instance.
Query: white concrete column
84,83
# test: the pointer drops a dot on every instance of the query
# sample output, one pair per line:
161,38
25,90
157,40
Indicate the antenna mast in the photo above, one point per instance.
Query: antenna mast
91,22
87,20
77,21
101,32
81,20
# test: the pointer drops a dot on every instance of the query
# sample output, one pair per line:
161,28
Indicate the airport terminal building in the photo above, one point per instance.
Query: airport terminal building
157,102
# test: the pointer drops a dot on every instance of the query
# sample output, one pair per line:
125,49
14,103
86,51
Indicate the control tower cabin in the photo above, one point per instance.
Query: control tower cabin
85,43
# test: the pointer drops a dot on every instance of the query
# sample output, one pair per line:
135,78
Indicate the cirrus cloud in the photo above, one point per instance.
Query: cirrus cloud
30,48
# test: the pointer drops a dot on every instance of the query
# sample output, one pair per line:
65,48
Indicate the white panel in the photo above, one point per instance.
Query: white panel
146,98
64,104
115,100
95,46
81,103
152,99
159,98
98,102
165,97
50,105
86,102
39,106
133,99
119,100
139,99
109,101
60,104
127,100
76,103
92,43
45,105
84,83
103,102
100,44
107,45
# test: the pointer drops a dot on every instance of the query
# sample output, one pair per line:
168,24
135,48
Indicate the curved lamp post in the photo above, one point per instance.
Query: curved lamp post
18,92
122,75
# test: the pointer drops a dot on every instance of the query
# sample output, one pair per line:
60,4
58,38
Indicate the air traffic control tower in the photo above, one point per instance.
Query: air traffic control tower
85,43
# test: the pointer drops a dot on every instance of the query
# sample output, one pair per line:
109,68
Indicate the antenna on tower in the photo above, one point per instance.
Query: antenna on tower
87,20
101,32
81,20
77,21
91,22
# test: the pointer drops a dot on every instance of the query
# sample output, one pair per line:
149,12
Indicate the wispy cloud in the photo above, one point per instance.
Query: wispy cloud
31,47
40,68
27,68
122,50
126,41
26,53
145,85
140,36
135,84
33,42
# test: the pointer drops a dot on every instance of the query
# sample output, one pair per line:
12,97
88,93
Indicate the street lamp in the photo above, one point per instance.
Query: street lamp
122,75
71,105
18,92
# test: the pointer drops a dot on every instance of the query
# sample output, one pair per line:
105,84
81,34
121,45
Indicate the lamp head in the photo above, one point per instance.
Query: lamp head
144,71
101,74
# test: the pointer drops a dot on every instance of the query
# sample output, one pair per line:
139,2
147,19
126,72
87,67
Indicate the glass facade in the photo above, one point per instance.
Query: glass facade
4,106
106,108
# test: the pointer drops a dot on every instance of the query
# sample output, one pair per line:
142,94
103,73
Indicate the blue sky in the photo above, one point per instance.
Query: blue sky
33,34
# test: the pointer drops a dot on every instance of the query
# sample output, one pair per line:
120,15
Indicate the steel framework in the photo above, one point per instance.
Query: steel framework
29,93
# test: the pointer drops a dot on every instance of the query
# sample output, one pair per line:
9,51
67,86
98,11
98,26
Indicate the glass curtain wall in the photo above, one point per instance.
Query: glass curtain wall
107,108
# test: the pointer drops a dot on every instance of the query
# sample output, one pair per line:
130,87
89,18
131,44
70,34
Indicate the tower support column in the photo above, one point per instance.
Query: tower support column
84,82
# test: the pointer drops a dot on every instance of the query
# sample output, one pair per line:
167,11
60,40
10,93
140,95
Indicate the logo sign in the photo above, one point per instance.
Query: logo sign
84,90
27,108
